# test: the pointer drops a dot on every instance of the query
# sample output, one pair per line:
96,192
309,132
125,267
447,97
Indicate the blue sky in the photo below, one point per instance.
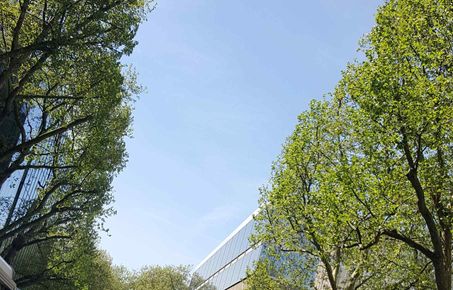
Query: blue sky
225,81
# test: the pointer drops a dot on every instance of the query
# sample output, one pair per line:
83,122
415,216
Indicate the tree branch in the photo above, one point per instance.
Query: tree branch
413,244
44,136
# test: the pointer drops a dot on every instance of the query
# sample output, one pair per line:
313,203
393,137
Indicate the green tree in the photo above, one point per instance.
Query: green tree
49,54
64,91
403,97
309,214
77,266
161,278
96,271
364,183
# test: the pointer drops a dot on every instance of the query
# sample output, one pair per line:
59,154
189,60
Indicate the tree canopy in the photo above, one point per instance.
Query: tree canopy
65,108
363,187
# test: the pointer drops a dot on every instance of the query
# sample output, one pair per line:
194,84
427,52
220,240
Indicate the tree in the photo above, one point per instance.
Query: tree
365,181
96,271
166,278
79,265
49,56
65,108
294,216
68,265
309,215
403,95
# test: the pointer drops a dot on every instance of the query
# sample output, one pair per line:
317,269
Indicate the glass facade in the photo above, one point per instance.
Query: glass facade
6,276
228,263
17,195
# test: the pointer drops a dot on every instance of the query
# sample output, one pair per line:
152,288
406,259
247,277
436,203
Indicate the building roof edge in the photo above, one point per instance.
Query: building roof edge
233,233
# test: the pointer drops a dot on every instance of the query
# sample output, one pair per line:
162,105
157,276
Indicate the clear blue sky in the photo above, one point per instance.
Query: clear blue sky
225,82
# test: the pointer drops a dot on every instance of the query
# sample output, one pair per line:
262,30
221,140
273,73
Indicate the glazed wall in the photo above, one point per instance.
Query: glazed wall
228,264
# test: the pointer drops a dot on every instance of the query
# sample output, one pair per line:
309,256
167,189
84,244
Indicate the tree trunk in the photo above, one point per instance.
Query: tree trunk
443,267
443,275
9,131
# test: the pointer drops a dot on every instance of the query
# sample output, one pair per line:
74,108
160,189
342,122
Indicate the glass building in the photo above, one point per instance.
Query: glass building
17,195
225,267
6,276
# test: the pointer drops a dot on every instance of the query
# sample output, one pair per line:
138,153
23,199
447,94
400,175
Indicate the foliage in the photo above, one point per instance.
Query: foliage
364,183
161,278
77,265
97,272
403,92
308,211
280,270
65,108
60,67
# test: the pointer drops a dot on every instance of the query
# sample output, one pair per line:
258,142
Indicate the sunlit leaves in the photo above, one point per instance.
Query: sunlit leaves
367,174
